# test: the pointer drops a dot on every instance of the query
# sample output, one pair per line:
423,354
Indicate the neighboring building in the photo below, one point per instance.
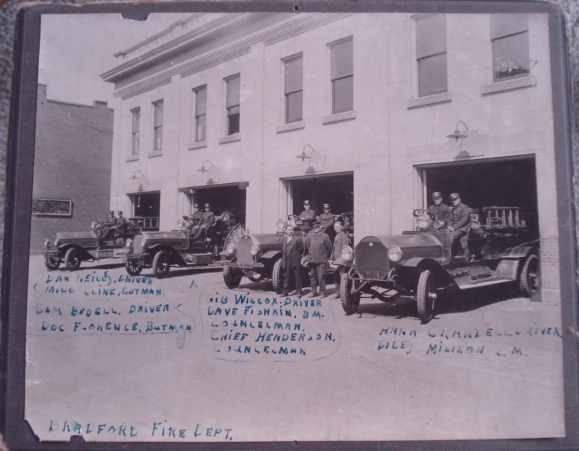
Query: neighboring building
72,167
370,112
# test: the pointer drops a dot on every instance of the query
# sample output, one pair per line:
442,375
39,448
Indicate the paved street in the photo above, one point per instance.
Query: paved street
183,358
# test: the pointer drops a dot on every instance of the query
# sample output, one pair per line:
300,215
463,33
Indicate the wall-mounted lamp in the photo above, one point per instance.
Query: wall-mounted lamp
306,153
316,159
206,166
460,132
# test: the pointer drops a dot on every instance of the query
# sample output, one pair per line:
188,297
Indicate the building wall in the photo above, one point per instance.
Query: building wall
384,142
72,161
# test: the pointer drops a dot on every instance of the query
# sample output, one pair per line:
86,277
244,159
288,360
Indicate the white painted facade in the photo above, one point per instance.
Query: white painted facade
385,142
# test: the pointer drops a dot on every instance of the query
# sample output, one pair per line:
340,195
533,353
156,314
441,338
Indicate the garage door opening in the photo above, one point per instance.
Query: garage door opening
337,190
231,197
506,183
146,209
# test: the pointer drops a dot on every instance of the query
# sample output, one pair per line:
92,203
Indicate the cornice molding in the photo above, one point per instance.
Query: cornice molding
270,35
173,46
184,70
291,29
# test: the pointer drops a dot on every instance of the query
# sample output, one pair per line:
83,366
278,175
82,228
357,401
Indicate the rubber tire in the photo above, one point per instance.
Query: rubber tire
158,269
424,303
277,276
133,269
231,277
350,302
51,262
72,259
525,287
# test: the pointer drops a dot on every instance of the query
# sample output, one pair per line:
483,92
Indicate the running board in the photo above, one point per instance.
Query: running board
468,286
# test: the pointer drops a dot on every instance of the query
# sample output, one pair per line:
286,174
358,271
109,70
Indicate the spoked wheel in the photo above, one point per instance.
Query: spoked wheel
426,296
350,301
530,277
72,259
277,276
52,261
133,267
161,263
231,277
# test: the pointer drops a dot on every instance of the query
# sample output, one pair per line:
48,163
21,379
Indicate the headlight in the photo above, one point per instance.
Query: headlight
46,244
347,253
395,254
129,242
254,250
423,224
229,249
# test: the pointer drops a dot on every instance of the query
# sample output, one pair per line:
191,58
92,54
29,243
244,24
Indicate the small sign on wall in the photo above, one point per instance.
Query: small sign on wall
52,207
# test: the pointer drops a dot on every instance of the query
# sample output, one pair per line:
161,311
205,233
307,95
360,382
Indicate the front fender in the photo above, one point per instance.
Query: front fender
510,265
410,269
174,255
270,255
522,250
84,254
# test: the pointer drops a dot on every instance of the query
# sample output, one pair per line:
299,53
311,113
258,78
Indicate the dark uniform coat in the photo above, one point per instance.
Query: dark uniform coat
208,218
292,251
318,246
197,217
326,220
342,239
460,217
307,217
439,213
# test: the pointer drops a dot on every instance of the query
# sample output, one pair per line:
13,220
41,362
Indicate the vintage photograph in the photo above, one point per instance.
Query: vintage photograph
294,226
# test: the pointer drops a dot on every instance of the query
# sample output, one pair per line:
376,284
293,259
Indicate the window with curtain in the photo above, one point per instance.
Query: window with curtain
158,125
232,104
510,45
200,113
293,88
135,130
342,63
431,54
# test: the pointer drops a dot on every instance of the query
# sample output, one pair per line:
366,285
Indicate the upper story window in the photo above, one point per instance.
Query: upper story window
342,65
158,125
510,45
135,131
200,118
431,54
293,89
232,104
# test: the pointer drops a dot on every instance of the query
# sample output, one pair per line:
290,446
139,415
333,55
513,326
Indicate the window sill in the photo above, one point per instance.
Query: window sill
290,126
132,158
230,138
433,99
339,117
198,145
155,154
509,85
